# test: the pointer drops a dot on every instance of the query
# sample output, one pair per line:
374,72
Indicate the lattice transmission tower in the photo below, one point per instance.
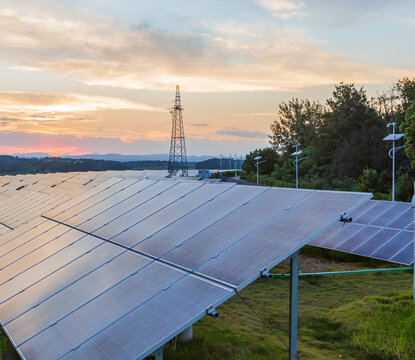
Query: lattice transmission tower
177,157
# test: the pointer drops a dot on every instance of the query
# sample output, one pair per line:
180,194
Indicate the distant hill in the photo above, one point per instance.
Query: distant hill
115,157
13,165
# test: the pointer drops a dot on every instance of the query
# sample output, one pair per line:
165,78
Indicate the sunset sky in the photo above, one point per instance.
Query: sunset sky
97,76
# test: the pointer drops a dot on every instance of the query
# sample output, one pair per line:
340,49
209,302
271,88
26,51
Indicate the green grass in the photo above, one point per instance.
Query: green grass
367,316
335,319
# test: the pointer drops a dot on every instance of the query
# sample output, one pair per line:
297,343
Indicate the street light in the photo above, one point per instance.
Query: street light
257,158
234,163
296,161
393,137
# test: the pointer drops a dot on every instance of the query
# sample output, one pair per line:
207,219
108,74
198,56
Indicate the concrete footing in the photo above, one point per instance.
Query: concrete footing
186,335
158,354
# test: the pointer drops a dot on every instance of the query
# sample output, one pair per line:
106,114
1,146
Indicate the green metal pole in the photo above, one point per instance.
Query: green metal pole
293,307
347,272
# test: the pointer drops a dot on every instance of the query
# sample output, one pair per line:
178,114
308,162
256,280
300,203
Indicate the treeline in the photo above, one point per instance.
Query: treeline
13,165
342,142
218,164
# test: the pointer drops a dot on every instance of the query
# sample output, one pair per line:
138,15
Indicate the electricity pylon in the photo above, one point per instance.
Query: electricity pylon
177,157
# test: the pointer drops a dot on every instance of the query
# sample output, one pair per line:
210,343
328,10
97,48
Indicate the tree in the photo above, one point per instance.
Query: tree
297,123
269,158
351,135
409,130
406,91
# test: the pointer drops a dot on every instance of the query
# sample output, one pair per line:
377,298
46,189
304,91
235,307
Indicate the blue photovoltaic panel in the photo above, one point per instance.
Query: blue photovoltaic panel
65,293
375,242
374,212
139,229
126,219
119,190
394,246
199,219
200,248
385,232
108,214
270,244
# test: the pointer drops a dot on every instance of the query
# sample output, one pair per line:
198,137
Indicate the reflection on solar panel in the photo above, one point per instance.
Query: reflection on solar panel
118,265
380,229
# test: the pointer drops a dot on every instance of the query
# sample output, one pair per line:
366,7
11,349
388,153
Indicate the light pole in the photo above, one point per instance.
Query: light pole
234,163
220,162
296,161
393,137
257,158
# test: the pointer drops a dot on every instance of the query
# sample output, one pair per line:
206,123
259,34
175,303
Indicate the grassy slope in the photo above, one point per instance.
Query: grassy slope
331,316
327,328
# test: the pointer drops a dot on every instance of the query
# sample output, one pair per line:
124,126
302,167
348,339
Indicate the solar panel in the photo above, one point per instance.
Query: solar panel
381,230
270,244
199,219
393,137
186,247
137,228
201,247
107,214
115,194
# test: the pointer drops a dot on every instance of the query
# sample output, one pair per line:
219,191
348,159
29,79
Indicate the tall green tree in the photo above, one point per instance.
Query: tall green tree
297,123
409,129
351,135
268,158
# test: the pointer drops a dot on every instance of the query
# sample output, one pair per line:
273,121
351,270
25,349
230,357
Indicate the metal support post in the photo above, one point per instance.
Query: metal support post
158,354
293,307
393,168
296,171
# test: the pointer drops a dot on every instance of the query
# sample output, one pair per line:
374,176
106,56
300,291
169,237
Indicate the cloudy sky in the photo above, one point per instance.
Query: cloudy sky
97,76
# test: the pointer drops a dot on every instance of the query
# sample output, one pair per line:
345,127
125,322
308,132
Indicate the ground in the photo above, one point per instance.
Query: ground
366,316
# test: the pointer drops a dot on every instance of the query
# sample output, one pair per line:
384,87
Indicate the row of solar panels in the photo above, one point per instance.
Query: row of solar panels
123,267
25,197
128,263
381,230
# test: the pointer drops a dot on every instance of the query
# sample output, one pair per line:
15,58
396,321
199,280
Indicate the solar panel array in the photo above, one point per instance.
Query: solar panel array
381,230
25,197
119,269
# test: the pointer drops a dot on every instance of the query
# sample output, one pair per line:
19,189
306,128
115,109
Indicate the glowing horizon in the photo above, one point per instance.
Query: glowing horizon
83,78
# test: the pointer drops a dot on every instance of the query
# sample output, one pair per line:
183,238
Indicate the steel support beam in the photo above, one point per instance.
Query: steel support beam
293,307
